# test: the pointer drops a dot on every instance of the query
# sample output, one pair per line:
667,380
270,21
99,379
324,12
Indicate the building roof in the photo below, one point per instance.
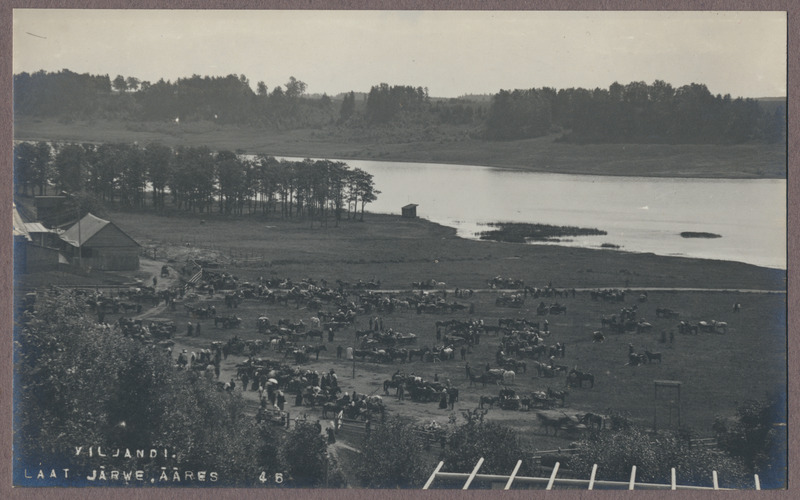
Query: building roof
87,228
19,225
37,227
410,205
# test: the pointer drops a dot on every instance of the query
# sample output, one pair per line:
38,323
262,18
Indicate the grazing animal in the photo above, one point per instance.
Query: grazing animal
555,422
473,379
508,377
591,420
489,400
652,356
562,395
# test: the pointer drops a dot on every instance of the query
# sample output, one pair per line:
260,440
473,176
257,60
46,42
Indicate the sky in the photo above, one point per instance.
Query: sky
451,53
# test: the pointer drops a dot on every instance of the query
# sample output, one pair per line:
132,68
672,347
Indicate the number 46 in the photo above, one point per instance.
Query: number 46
278,477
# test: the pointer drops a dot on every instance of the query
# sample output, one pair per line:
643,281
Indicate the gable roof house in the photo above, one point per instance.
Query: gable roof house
103,245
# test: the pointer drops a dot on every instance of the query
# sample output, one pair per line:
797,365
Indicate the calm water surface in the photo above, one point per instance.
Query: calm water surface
640,214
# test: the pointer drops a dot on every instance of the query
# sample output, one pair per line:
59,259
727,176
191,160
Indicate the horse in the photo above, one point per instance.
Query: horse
417,352
592,419
316,350
490,400
330,407
477,378
608,320
548,421
651,356
562,395
580,376
314,333
494,375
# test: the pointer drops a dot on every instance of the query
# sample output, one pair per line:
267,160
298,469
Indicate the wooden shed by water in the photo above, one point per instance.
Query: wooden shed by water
410,210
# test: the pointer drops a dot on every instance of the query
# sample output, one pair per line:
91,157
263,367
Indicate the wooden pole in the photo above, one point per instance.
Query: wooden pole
472,476
633,478
514,474
433,476
553,476
591,478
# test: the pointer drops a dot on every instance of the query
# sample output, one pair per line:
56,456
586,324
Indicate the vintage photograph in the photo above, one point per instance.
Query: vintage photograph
379,249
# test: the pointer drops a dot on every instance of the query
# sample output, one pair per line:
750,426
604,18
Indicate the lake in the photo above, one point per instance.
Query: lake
640,214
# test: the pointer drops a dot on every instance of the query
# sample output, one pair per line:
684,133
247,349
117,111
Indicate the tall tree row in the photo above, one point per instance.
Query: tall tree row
197,180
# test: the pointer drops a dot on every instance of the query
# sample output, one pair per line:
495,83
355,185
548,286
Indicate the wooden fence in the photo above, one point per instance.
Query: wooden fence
553,481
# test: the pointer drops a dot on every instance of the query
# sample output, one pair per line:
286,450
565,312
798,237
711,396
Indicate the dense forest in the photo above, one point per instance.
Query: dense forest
634,113
196,178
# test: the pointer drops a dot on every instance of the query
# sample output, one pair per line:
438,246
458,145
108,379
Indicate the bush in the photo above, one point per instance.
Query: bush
616,452
753,436
392,456
499,446
306,456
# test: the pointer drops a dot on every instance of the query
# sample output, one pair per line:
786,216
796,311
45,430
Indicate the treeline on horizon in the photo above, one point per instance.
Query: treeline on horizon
634,113
196,178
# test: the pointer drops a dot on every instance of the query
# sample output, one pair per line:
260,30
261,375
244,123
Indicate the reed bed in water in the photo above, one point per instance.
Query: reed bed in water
520,232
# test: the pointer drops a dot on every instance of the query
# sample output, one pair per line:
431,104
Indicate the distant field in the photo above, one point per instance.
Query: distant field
436,145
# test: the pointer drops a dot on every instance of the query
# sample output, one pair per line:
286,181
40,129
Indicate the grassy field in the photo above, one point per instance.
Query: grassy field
716,370
437,145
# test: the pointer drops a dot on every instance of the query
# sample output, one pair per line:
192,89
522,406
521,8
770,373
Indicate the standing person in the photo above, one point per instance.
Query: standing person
281,400
443,400
451,397
197,331
330,334
189,329
468,370
401,392
339,350
463,352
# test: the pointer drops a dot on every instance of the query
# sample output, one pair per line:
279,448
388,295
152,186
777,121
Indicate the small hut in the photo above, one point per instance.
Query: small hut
410,210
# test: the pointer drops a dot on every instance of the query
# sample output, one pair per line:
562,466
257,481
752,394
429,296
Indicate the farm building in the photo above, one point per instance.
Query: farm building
35,246
102,245
410,210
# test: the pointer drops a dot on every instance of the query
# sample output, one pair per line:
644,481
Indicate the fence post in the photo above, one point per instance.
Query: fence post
674,485
513,475
714,477
433,476
591,478
553,476
472,476
633,478
758,482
